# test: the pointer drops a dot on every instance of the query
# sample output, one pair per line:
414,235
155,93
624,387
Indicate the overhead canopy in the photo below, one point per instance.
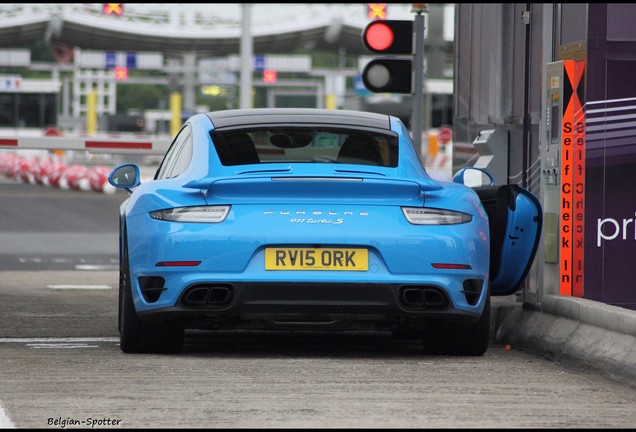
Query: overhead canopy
208,29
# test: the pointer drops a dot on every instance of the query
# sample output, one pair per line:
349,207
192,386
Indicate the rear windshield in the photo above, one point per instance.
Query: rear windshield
306,145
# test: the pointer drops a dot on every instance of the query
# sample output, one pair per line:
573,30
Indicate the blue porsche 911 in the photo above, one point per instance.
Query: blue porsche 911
310,218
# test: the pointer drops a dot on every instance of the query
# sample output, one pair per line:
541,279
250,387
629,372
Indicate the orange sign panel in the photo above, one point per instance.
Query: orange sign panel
572,181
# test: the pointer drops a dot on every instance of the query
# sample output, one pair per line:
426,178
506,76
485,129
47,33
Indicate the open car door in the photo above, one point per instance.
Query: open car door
515,220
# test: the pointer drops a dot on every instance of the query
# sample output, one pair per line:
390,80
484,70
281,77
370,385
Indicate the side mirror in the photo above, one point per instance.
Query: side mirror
125,176
473,177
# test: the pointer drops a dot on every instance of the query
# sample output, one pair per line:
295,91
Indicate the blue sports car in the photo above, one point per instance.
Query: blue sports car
310,218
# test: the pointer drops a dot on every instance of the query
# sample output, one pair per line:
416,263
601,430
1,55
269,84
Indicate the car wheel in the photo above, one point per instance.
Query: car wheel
460,340
120,305
135,336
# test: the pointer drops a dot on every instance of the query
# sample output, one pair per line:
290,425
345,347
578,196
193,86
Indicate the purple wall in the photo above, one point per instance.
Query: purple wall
610,206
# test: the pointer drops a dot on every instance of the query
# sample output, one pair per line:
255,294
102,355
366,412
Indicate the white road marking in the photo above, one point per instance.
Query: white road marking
62,260
59,340
86,287
59,343
96,267
5,421
64,345
25,260
114,263
56,343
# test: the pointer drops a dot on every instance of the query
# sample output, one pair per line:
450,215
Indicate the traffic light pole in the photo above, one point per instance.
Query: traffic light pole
418,83
398,75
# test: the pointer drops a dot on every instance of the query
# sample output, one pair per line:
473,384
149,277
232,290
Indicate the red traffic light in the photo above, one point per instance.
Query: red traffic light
269,76
389,37
121,73
379,37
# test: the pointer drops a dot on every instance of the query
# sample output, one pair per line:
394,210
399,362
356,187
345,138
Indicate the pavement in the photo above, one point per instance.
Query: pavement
570,330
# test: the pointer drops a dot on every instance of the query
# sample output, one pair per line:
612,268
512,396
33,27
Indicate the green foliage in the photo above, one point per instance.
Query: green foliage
41,52
141,97
324,59
215,103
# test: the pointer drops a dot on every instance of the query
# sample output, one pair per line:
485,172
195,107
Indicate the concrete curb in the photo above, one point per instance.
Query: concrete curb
568,329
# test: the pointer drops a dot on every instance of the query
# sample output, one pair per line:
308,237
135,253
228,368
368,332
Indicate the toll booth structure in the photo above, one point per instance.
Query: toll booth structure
545,94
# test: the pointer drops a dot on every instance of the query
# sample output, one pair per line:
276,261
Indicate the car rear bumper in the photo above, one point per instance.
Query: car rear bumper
347,305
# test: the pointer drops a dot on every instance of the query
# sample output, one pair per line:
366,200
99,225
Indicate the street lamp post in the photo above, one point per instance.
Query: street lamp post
418,64
246,58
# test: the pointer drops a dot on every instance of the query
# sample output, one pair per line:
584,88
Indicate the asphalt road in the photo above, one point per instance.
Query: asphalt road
61,365
53,229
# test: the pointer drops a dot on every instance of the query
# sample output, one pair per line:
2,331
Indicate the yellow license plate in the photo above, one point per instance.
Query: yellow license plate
316,259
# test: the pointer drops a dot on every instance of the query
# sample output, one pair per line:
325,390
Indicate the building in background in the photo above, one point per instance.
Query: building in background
546,93
195,49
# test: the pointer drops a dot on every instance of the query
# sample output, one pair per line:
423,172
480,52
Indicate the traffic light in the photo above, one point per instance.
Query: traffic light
389,37
269,76
121,73
389,74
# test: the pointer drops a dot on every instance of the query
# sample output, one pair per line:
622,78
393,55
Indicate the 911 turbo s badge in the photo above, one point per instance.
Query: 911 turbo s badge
316,217
317,221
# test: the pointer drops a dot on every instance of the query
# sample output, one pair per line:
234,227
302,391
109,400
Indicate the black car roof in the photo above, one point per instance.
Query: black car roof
298,116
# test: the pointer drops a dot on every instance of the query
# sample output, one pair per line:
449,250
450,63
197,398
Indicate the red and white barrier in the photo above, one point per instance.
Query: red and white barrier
98,179
93,144
75,177
52,172
53,178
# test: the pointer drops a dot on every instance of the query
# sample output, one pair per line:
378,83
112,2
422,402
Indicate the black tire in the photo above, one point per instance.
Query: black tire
452,339
135,336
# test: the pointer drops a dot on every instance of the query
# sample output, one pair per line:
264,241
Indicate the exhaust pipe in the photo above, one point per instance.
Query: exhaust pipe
197,296
423,298
214,295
